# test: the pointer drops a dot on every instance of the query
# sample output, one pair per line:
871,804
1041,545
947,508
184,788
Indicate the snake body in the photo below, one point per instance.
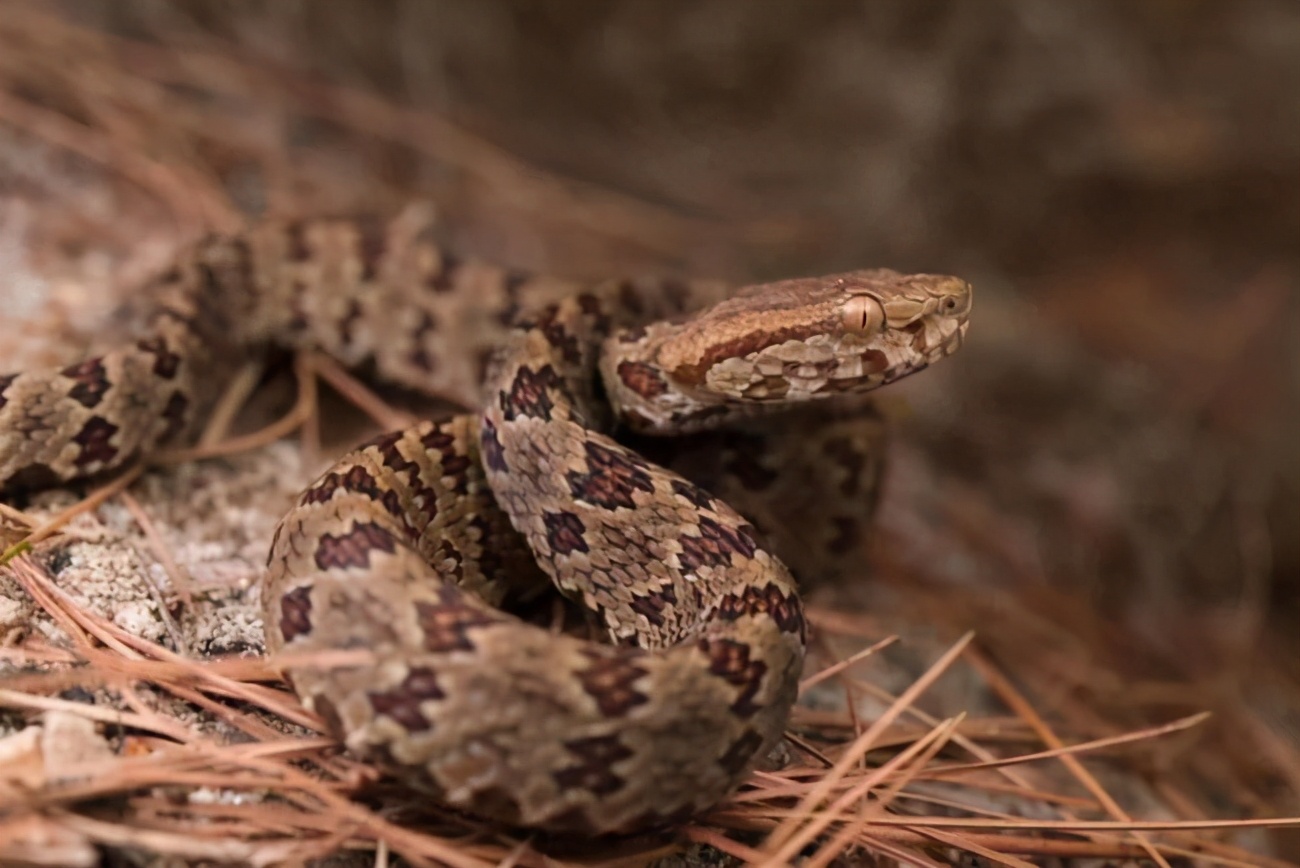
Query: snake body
384,579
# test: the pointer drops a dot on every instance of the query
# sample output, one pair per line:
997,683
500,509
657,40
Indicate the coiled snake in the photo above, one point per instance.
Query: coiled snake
403,550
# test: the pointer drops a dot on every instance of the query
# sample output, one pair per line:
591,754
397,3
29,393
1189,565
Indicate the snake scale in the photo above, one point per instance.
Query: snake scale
400,555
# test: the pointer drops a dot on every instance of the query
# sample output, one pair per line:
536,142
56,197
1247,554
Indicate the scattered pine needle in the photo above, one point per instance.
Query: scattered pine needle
301,790
304,409
358,395
86,504
232,400
1022,707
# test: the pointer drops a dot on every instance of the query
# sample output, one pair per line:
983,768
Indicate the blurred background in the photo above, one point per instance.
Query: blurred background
1105,482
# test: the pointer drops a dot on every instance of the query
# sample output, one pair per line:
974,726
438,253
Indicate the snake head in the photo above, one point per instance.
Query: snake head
809,338
787,342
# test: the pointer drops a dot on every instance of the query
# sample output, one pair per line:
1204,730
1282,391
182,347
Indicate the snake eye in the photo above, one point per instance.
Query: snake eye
949,304
862,314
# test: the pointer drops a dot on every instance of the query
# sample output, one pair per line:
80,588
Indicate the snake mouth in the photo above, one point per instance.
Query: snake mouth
957,339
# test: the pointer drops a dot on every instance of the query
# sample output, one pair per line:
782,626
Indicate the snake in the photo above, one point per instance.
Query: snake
389,580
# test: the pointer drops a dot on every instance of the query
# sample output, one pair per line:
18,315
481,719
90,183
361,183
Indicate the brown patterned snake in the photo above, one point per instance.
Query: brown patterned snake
402,551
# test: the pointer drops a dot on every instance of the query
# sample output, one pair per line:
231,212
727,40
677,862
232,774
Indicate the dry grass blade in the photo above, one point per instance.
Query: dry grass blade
356,392
840,666
968,845
777,841
232,400
54,525
178,578
19,700
303,410
1026,711
905,764
1089,825
1071,750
